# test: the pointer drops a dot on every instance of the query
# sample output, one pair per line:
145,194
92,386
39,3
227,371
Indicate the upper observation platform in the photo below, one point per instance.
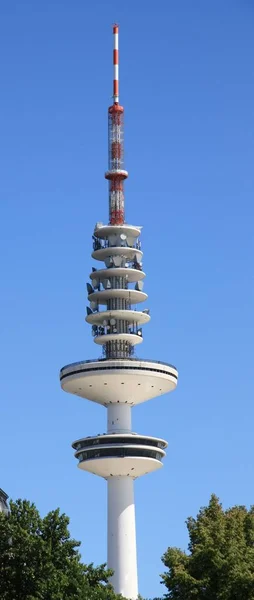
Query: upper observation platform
125,381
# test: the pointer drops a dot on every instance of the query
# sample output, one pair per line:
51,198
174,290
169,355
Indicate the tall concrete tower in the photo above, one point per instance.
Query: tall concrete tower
119,380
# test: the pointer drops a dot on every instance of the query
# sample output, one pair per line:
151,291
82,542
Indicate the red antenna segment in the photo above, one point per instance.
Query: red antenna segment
116,173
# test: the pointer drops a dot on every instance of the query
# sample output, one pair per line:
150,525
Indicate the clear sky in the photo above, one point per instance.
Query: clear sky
187,84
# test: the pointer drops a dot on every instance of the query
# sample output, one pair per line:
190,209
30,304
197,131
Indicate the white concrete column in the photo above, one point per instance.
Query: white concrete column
119,418
122,552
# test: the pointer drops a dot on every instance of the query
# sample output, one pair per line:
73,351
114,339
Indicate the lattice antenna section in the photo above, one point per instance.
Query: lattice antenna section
116,173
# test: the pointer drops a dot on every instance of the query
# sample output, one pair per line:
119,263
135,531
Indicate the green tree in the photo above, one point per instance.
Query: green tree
40,561
220,562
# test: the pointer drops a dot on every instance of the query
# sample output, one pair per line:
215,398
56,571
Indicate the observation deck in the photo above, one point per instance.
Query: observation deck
120,455
123,381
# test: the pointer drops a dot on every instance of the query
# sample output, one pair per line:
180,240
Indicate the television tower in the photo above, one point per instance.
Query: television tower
119,380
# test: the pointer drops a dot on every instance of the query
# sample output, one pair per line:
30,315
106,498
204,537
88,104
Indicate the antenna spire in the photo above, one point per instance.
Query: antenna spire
116,65
116,173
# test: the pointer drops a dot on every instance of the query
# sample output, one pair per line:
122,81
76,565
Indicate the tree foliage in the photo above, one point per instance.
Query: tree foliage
220,562
40,561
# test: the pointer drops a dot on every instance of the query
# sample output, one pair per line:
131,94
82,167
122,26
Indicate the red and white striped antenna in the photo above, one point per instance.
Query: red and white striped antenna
116,64
116,173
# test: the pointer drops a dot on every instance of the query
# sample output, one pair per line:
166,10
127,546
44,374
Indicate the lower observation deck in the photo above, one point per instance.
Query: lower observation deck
122,466
124,455
124,381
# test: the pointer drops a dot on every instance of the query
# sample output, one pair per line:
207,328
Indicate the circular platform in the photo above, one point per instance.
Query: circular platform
124,454
128,253
132,438
116,173
104,231
132,296
120,467
131,275
132,338
126,381
132,316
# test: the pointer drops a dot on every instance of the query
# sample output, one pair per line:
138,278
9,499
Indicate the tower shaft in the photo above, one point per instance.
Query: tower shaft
119,418
122,554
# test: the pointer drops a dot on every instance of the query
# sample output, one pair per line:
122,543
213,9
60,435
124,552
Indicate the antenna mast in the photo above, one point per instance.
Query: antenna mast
116,173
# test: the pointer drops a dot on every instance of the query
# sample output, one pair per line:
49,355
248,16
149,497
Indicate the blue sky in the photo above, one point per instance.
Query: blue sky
187,84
